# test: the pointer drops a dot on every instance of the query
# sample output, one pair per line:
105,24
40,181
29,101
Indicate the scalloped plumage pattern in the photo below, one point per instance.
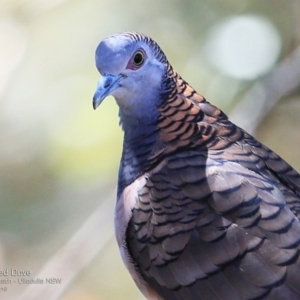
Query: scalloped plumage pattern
217,217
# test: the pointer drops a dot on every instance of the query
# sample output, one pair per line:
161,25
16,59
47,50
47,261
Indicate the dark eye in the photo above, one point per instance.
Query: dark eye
137,60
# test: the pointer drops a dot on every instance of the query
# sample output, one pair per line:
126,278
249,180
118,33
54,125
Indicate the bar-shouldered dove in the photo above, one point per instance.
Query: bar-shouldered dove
204,210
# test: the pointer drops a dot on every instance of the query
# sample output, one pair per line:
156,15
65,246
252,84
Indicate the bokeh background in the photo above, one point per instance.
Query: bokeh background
59,158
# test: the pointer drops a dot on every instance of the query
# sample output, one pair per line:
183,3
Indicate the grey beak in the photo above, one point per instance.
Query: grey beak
106,85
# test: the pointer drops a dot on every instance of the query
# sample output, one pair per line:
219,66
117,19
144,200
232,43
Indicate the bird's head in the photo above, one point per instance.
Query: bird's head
132,67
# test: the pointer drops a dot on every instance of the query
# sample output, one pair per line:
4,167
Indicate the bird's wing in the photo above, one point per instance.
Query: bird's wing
256,157
205,223
279,168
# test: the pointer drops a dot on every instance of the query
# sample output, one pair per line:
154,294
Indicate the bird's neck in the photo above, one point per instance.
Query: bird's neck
140,140
142,143
181,119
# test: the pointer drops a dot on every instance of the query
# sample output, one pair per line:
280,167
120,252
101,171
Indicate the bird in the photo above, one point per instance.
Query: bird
203,210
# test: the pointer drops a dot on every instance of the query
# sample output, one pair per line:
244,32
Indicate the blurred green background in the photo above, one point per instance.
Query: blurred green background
59,158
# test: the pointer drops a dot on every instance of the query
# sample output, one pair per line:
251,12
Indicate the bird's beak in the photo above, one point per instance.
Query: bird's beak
106,85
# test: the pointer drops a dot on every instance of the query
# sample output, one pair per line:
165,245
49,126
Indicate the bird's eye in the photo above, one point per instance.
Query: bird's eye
137,60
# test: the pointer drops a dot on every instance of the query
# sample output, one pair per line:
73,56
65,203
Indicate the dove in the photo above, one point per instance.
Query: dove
203,210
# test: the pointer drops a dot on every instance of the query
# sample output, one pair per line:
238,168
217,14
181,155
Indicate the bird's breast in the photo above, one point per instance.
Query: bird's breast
123,213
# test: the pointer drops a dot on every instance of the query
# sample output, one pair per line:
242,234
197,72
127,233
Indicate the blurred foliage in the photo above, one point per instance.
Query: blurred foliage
59,158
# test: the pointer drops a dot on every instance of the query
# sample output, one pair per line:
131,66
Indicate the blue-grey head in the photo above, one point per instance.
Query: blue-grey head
132,66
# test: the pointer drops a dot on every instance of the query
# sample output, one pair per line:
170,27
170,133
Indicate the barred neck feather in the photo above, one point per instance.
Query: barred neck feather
188,120
141,136
177,120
